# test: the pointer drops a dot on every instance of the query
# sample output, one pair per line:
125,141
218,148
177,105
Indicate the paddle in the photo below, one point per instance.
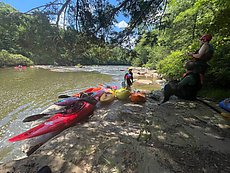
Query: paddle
225,115
63,96
87,98
38,116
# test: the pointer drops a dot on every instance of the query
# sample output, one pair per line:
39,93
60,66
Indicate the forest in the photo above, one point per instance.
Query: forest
73,32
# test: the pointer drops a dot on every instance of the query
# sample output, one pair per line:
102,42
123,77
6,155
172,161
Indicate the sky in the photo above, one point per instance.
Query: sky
26,5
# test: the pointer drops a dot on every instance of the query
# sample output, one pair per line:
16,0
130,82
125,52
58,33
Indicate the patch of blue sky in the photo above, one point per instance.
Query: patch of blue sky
26,5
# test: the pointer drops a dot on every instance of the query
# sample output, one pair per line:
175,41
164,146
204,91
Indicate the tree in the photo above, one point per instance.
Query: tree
95,17
9,28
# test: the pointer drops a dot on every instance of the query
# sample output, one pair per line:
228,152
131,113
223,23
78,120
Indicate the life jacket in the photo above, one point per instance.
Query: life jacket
128,76
207,56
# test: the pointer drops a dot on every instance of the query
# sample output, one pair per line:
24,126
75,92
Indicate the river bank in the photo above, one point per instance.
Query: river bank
178,136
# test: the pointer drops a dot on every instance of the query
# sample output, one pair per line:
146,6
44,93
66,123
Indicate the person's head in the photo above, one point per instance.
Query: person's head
190,65
206,38
130,69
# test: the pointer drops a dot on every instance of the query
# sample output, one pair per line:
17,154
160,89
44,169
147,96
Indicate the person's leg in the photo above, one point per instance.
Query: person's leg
168,92
129,83
201,68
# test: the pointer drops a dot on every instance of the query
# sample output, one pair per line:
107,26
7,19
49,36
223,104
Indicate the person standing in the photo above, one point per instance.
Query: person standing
203,55
129,77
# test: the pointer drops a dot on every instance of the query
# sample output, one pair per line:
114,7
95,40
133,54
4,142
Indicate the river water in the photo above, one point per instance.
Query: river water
27,92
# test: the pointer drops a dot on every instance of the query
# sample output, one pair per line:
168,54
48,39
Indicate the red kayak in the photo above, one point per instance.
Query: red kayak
56,122
61,121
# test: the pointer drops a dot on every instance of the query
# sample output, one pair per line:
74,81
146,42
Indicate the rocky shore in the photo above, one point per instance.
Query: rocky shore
123,137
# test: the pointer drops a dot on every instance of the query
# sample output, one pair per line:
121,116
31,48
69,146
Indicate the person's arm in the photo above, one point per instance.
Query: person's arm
201,52
132,77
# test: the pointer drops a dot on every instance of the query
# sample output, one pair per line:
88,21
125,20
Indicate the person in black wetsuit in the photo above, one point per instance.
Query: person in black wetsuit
186,88
129,77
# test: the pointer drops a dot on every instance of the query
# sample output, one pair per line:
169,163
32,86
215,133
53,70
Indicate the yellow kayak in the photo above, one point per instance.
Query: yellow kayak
107,97
122,94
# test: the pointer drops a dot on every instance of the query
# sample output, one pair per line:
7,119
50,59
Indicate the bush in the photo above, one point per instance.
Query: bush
136,62
171,67
156,54
7,59
218,73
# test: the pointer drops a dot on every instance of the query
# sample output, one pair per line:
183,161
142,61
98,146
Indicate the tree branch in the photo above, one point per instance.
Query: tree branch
61,10
46,5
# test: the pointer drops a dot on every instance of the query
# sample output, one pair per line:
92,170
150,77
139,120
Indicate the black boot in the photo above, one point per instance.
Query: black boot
45,169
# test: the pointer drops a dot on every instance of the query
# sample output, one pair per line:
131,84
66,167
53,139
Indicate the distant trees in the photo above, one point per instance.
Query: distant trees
7,59
34,36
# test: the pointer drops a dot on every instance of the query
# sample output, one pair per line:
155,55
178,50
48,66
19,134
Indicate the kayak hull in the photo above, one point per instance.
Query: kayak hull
122,94
61,121
107,97
138,97
225,104
57,122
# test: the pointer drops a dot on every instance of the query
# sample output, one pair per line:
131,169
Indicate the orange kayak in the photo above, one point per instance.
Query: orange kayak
138,97
89,90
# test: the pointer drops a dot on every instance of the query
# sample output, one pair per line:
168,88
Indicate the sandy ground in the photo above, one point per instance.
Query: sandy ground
123,137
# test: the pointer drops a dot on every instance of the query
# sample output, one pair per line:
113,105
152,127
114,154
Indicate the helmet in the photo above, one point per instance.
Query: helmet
190,65
130,68
206,37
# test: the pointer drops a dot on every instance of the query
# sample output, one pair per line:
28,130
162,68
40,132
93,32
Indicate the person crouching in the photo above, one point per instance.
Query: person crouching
187,87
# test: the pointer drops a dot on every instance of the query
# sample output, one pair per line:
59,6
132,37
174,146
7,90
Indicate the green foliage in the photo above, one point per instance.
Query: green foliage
182,25
172,66
10,24
163,46
34,37
219,71
157,53
106,55
136,62
8,59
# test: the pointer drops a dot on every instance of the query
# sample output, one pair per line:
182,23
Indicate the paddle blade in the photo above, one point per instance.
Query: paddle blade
63,96
34,117
68,101
225,115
